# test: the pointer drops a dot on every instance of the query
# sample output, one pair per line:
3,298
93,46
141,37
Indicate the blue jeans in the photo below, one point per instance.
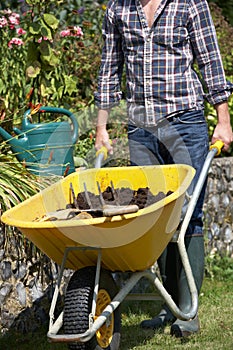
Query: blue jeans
181,140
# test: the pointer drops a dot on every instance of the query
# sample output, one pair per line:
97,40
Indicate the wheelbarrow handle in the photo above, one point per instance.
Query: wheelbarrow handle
218,145
101,155
215,149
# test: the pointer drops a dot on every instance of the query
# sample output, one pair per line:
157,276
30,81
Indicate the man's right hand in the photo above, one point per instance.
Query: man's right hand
102,136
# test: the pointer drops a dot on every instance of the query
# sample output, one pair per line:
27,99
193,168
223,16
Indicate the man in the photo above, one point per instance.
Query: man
159,41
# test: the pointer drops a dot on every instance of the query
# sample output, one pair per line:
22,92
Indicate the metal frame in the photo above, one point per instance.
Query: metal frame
54,327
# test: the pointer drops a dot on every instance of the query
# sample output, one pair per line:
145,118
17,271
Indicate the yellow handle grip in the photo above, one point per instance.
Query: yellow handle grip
103,150
217,145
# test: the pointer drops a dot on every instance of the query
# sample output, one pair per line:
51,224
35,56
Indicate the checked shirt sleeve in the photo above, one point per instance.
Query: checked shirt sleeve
205,45
109,81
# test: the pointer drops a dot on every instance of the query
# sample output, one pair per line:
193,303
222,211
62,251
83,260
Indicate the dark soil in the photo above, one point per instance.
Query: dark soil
122,196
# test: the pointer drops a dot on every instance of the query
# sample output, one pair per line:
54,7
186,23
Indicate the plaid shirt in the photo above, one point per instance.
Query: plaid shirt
159,61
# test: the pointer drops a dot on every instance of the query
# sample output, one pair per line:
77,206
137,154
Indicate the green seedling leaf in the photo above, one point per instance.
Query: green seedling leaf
51,20
33,70
35,28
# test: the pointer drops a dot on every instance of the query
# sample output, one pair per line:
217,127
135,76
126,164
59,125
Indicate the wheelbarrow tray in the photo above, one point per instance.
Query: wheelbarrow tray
129,242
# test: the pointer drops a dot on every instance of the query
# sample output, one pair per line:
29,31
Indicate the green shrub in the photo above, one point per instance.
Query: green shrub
51,56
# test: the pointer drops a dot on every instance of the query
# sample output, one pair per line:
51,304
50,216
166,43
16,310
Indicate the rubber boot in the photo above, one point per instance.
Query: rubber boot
196,254
168,272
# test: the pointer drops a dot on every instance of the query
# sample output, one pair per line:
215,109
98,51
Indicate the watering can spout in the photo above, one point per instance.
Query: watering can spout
17,144
5,135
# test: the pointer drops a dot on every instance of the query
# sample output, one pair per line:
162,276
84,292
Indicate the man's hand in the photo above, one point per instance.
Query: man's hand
223,129
102,136
223,132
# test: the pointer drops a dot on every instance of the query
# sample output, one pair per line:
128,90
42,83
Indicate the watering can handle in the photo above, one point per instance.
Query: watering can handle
64,111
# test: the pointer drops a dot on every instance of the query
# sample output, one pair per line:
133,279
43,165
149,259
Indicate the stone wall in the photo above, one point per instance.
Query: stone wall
27,277
218,207
27,281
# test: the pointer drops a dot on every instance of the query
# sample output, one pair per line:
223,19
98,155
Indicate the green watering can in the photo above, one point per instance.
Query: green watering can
46,148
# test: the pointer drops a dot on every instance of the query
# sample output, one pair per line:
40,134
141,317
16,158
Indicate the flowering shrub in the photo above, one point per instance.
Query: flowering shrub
50,54
12,77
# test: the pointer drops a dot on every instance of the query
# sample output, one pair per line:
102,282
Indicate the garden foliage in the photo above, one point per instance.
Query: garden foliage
50,55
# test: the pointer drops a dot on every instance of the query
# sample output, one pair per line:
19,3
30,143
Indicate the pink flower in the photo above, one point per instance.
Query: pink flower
14,17
65,33
15,41
13,20
21,31
74,32
44,38
78,31
3,22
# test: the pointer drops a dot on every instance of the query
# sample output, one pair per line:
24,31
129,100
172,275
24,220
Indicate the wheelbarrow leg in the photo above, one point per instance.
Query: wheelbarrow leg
193,245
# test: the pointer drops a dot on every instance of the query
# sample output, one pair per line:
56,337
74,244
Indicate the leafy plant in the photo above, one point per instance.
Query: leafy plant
16,183
227,8
51,54
12,70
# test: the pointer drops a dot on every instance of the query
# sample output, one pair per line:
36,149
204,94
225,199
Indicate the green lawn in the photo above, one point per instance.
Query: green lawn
216,317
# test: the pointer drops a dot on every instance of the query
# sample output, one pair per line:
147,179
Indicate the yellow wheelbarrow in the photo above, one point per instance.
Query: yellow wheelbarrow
97,247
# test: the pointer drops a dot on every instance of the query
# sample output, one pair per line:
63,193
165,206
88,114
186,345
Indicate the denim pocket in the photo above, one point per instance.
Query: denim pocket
191,118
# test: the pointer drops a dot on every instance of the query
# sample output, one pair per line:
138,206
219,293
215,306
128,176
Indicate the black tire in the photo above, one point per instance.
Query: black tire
77,307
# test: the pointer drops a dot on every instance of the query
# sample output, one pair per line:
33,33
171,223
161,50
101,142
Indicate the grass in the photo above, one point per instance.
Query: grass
216,317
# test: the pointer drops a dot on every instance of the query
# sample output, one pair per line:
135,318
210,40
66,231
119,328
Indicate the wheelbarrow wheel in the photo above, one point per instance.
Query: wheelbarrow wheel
77,308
